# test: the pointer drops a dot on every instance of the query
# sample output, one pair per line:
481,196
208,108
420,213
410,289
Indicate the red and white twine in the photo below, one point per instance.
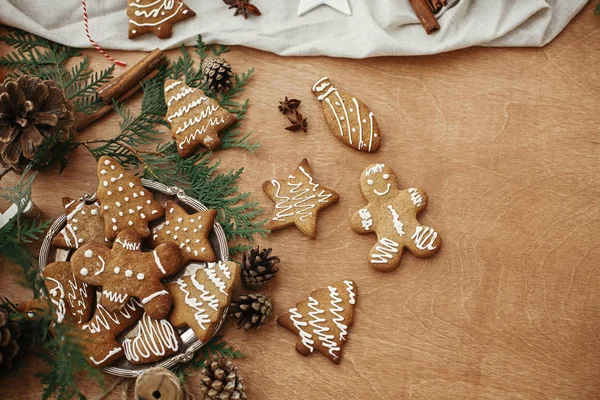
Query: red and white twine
87,32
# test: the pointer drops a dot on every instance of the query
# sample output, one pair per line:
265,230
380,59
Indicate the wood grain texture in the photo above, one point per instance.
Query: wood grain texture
505,143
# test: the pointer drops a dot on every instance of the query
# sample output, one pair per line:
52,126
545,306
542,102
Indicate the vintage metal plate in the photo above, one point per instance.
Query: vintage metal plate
190,344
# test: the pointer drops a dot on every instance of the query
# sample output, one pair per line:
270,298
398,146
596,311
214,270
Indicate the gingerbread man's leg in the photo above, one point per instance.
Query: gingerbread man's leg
156,300
424,242
385,255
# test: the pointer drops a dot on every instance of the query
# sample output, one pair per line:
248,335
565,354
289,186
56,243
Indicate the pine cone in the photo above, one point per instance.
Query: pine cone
32,111
10,331
217,74
258,267
221,380
251,310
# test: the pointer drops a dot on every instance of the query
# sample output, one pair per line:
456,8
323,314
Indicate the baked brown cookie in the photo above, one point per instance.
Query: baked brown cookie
125,271
150,341
126,204
98,336
298,200
195,118
84,225
189,232
157,16
322,321
349,119
201,296
392,215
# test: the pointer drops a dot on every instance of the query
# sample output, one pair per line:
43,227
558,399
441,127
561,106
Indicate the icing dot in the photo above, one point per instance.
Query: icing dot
140,276
109,193
197,240
131,184
159,28
200,226
114,227
374,135
94,212
117,270
167,223
120,213
129,273
176,228
88,253
172,210
184,12
83,271
195,252
82,212
175,237
126,198
75,229
106,207
351,109
337,103
130,223
188,249
185,229
162,13
148,201
203,249
143,216
106,162
192,220
370,182
112,167
105,183
155,236
179,219
195,230
168,232
181,245
131,211
138,208
135,195
154,212
118,203
353,129
75,220
114,220
133,30
80,240
103,172
342,118
142,193
386,176
364,121
120,188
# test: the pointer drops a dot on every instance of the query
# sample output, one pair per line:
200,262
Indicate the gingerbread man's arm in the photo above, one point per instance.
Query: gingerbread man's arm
167,259
418,197
362,221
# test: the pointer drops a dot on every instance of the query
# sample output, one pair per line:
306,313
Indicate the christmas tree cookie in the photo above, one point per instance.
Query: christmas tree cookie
156,16
392,215
322,321
84,225
349,119
298,199
195,118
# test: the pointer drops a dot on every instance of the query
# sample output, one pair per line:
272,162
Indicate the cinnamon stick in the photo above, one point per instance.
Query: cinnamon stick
425,15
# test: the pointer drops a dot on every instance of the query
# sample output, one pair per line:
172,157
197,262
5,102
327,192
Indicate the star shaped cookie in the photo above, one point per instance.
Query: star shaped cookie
156,16
195,118
298,199
189,232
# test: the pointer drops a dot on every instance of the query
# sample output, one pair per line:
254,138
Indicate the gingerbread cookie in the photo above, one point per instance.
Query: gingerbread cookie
323,320
97,337
201,296
392,215
72,298
84,225
156,16
150,341
195,118
126,204
298,200
189,232
125,271
349,119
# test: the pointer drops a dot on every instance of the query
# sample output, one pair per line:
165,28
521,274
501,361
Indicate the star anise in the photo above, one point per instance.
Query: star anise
299,123
286,105
243,7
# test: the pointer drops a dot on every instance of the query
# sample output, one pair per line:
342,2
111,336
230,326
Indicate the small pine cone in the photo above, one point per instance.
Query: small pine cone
258,267
217,74
251,310
221,380
10,331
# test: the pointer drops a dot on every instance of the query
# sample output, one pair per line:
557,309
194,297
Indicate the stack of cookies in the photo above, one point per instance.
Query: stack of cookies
119,260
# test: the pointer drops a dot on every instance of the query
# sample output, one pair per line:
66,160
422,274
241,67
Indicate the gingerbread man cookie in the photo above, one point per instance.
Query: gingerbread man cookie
84,225
150,341
392,215
201,296
156,16
126,271
126,204
189,232
349,119
98,336
322,321
298,200
195,118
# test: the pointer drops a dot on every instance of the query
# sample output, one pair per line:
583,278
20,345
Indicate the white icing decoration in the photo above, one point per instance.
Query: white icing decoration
84,271
101,270
326,339
140,276
88,253
153,295
153,13
398,225
129,273
365,216
345,117
211,273
158,263
336,117
378,193
58,292
111,353
371,135
422,235
335,309
132,246
386,249
153,338
117,270
115,297
415,197
186,109
350,290
304,336
374,169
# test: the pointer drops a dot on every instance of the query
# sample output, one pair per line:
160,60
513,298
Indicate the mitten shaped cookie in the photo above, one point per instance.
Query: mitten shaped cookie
189,232
126,204
150,341
98,336
298,199
322,321
72,298
195,118
125,271
157,16
84,225
392,215
349,119
201,296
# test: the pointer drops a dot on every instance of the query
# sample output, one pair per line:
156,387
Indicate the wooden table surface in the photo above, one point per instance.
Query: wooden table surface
505,142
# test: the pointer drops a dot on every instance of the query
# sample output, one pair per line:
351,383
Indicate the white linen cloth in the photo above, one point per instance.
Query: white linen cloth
376,27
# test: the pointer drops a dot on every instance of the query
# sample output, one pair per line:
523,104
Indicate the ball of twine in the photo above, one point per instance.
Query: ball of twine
157,383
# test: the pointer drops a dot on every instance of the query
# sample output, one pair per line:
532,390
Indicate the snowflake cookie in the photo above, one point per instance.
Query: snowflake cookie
392,215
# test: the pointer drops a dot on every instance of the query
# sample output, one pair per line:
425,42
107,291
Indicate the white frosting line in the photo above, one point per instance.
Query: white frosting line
336,117
158,263
319,81
110,354
153,295
386,248
346,116
371,136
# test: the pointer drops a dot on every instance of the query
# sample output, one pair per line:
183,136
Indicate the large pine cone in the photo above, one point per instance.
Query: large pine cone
32,111
221,380
10,331
258,267
251,310
217,74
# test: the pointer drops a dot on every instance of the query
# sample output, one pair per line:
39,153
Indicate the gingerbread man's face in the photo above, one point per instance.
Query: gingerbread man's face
378,181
